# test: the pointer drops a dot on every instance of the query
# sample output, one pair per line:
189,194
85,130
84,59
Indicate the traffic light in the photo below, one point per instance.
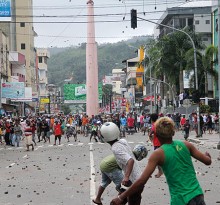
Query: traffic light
133,18
196,96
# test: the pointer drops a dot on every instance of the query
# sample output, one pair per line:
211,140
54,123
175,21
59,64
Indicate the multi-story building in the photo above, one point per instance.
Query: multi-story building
117,74
134,79
25,38
43,56
196,15
215,31
21,37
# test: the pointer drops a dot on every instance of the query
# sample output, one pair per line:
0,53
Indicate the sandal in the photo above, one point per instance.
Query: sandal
96,202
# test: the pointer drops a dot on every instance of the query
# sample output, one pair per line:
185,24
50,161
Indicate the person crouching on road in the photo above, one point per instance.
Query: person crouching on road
112,172
28,135
124,158
175,159
57,131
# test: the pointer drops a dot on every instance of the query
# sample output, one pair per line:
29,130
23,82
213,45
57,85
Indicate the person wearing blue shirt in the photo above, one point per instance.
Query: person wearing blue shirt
123,122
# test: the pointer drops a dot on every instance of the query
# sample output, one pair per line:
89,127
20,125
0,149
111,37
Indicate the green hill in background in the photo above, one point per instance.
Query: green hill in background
67,62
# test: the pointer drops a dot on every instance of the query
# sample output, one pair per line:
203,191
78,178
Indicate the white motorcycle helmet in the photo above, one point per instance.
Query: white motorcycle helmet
109,131
140,152
67,125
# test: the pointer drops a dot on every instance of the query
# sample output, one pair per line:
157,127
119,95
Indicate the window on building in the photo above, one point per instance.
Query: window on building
205,39
22,24
182,22
190,21
132,64
197,22
40,60
23,46
45,60
207,22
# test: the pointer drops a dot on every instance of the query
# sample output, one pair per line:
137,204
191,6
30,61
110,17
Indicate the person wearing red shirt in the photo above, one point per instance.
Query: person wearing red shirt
7,132
130,123
182,121
153,137
57,131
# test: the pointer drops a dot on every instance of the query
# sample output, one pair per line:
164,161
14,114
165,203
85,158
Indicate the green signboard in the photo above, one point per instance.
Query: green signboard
76,93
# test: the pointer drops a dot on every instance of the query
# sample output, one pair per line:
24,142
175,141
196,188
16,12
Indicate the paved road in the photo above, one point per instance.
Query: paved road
69,174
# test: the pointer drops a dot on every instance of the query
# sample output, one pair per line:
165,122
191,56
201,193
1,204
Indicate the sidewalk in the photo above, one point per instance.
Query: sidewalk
209,140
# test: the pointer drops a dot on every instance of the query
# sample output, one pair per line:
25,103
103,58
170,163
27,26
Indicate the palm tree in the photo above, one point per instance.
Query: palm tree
205,66
172,49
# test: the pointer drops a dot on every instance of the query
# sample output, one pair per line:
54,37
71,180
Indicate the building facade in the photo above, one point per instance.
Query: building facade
43,55
195,15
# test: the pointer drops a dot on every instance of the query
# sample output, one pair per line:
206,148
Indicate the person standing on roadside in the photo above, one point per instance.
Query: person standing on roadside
130,123
33,126
123,123
186,129
7,132
153,137
57,131
17,133
28,135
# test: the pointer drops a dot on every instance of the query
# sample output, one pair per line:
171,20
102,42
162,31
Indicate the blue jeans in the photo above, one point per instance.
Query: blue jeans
16,138
116,176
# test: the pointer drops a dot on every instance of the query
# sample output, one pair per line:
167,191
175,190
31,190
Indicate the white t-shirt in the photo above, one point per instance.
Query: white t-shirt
181,96
123,153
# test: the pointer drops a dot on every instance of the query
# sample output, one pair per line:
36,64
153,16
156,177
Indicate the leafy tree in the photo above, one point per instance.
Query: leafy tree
72,61
205,66
171,50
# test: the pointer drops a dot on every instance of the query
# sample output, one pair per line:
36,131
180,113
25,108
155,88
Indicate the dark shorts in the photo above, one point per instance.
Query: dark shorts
58,136
156,147
198,200
135,199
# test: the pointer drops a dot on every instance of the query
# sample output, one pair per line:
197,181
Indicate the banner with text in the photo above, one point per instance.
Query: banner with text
14,90
76,93
5,10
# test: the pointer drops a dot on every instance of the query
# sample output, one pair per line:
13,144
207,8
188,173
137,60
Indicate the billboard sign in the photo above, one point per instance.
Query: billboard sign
44,100
27,95
76,93
14,90
5,8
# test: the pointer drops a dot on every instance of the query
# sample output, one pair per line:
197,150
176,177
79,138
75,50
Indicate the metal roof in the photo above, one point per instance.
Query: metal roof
197,4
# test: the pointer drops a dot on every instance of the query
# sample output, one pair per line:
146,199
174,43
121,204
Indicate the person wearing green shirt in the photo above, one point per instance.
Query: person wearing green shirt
175,159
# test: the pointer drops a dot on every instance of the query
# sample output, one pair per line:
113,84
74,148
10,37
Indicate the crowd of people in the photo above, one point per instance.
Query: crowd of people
169,156
12,130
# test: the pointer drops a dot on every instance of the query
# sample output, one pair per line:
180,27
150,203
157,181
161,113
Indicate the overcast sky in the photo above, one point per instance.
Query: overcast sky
72,14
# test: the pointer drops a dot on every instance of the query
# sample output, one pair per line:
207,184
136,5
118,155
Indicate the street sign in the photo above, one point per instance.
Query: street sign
44,100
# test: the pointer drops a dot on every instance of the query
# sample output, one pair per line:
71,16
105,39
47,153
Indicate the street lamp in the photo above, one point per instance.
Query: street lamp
150,63
195,59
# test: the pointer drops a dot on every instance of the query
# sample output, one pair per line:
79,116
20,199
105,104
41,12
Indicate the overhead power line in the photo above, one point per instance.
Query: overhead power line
137,3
